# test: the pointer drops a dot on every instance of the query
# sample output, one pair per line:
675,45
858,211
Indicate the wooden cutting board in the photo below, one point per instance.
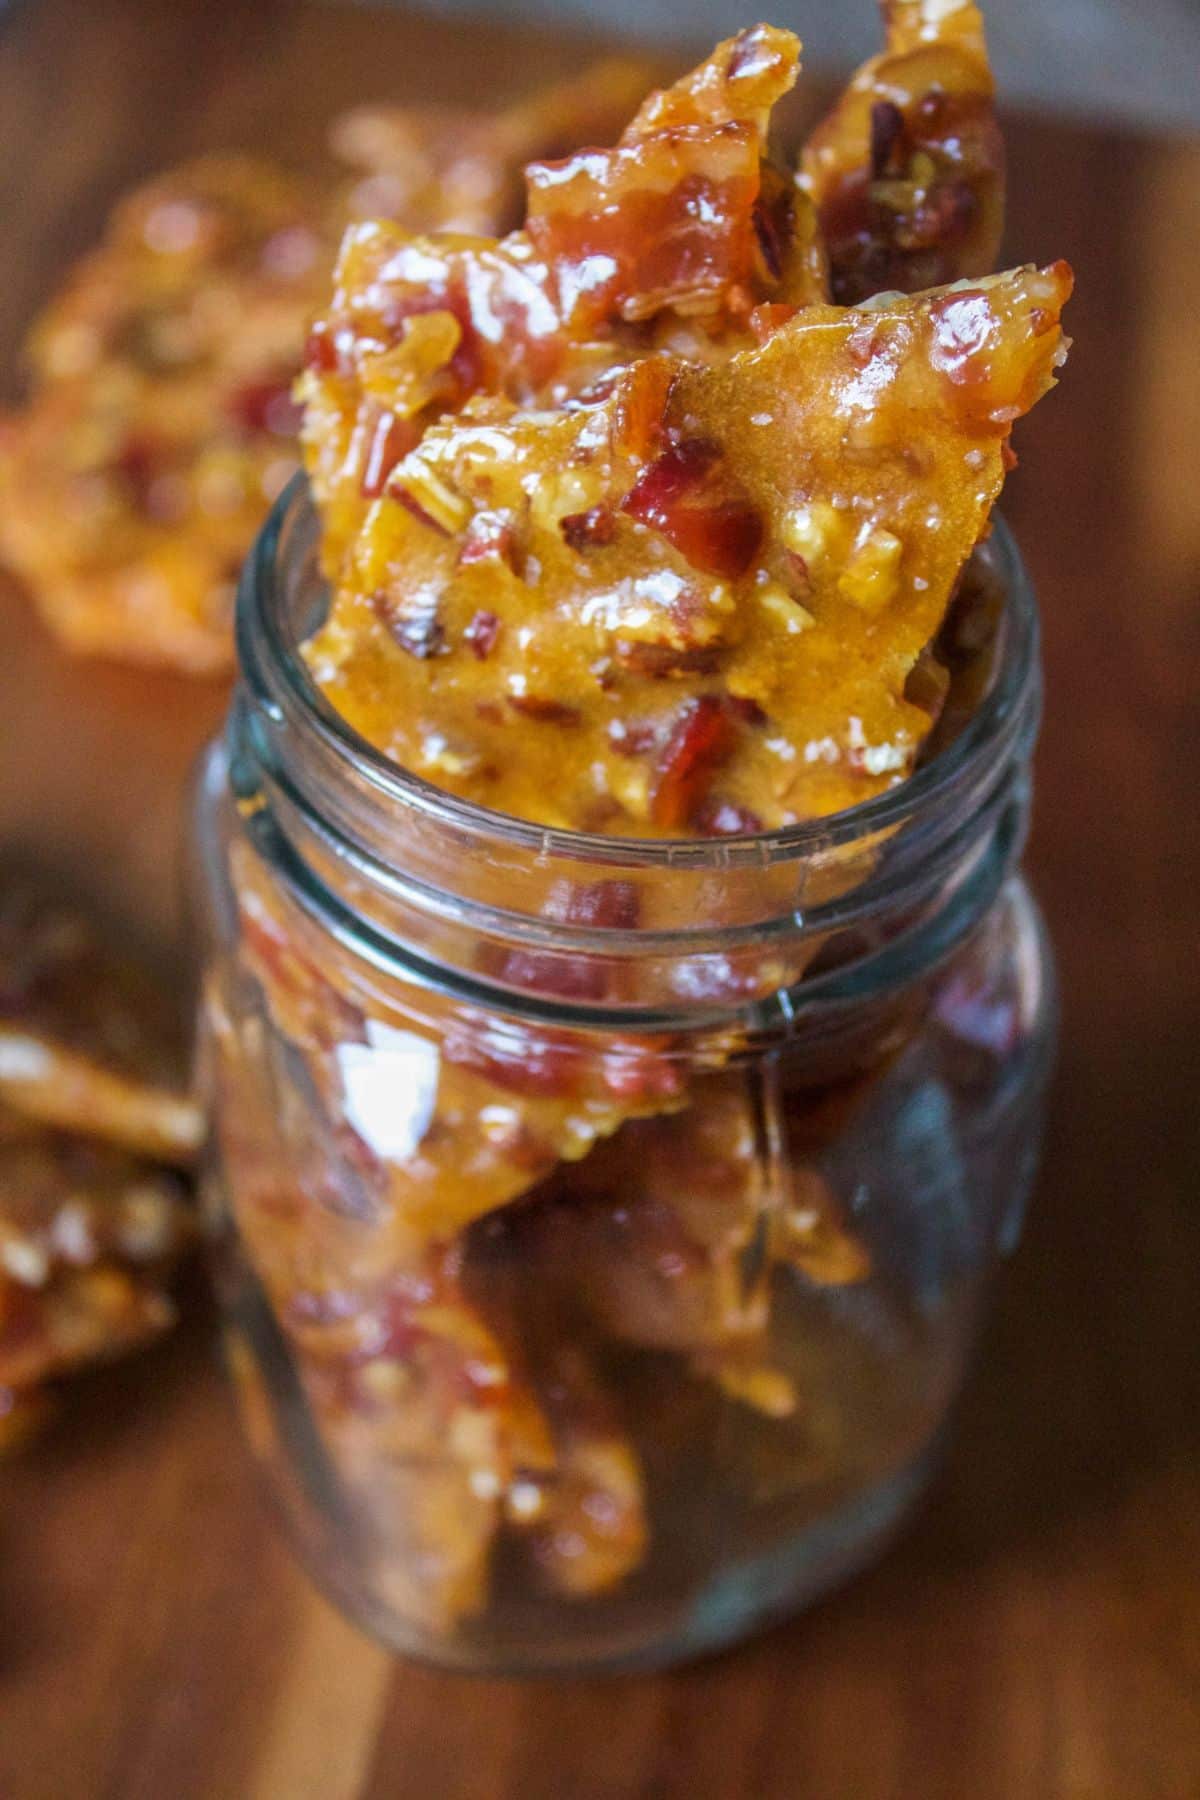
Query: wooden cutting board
1036,1636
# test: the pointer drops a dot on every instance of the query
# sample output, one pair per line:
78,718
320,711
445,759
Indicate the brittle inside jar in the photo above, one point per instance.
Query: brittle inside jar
630,530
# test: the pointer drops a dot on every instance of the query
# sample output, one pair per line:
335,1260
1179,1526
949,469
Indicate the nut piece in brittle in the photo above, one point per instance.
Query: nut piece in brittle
907,171
160,424
676,238
704,592
88,1042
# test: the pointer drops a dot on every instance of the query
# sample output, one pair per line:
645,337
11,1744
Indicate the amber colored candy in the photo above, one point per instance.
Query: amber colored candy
160,425
88,1041
777,551
670,240
441,1428
89,1239
907,171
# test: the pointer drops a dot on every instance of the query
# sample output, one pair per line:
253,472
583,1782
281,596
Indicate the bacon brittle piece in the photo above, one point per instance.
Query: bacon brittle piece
785,568
88,1041
665,1237
68,1203
907,171
89,1238
161,425
85,1316
672,239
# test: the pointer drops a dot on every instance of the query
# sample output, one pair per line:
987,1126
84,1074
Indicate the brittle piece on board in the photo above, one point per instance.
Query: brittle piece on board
161,425
907,171
674,239
699,598
88,1041
67,1202
84,1316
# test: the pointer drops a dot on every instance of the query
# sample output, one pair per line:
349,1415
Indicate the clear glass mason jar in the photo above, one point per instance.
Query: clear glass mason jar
602,1225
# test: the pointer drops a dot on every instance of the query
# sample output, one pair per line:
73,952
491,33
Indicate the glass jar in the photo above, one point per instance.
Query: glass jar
602,1225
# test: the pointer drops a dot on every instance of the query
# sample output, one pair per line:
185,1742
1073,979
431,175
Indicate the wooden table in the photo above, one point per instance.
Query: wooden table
1037,1632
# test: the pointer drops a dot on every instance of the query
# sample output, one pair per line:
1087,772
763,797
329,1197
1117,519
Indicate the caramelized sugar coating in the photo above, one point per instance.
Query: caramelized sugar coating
671,240
692,605
88,1041
907,171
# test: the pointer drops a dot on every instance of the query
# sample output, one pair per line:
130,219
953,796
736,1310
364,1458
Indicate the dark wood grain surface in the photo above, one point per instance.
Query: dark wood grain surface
1036,1634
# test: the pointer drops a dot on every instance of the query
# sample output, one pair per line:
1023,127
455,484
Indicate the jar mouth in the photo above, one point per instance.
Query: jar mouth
281,683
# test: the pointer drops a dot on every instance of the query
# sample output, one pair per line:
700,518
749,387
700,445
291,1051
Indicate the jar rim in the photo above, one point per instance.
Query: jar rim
279,680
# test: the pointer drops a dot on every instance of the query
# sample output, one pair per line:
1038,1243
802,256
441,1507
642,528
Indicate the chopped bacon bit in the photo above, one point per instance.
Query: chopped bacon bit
672,475
719,535
412,621
539,706
700,739
489,534
636,738
391,440
583,530
641,408
603,905
662,661
887,134
321,353
482,633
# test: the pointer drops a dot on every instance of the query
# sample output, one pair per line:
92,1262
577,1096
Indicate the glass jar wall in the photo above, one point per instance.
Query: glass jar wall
602,1226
